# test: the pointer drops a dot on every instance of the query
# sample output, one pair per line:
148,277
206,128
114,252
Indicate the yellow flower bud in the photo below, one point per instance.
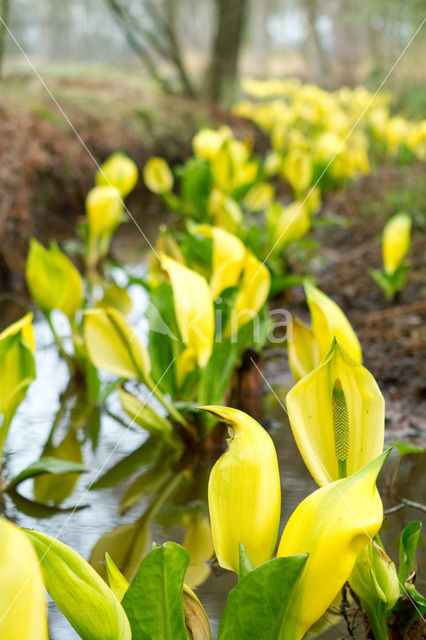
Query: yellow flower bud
258,197
53,280
298,170
244,492
396,241
118,171
158,176
23,611
287,224
104,210
207,142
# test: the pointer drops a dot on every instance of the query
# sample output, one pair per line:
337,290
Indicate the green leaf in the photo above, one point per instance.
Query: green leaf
407,549
406,448
158,584
150,450
164,341
46,464
246,565
257,607
216,376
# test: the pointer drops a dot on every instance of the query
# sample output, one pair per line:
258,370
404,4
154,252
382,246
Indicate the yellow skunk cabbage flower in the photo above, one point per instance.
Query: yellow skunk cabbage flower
337,415
158,176
244,492
104,211
24,325
397,133
198,542
332,525
374,579
302,349
79,592
193,307
287,224
118,171
207,142
228,258
23,611
258,197
254,290
53,280
298,170
113,345
224,210
396,241
328,322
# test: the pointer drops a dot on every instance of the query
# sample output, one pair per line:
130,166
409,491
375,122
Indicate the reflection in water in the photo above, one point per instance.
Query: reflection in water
58,419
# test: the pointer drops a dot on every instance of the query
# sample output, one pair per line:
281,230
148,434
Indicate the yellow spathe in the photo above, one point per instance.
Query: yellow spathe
320,436
332,526
23,611
396,241
244,492
193,307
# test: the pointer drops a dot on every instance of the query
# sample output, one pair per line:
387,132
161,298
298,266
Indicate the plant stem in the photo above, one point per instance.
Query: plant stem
60,345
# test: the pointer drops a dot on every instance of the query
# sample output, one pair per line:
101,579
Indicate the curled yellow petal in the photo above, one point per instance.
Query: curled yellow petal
23,611
302,349
396,241
332,526
244,492
194,308
25,326
298,170
254,290
228,258
118,171
113,345
259,196
328,322
337,416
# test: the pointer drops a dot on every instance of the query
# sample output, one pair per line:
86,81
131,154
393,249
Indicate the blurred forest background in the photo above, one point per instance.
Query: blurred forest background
144,75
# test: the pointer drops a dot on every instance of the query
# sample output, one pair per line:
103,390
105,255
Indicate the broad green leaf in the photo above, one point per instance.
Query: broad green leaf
257,607
164,340
49,465
79,592
158,584
17,371
23,611
407,549
407,448
216,376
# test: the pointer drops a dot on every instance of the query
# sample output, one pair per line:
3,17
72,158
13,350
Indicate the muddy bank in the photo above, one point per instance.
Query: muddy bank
46,171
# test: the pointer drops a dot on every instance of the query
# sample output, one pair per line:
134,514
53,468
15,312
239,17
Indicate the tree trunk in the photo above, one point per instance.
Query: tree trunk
5,10
317,57
222,73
